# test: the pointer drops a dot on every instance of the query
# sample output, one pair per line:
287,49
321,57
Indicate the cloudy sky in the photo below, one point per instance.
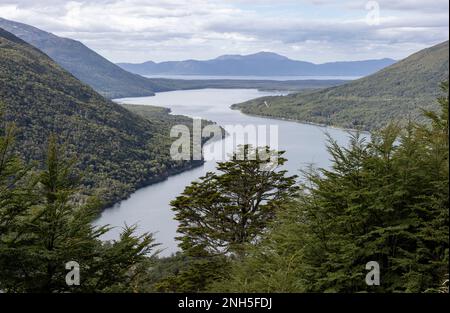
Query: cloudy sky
311,30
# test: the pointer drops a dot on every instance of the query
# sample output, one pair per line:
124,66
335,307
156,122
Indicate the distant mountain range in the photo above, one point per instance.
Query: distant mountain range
395,93
259,64
104,76
111,81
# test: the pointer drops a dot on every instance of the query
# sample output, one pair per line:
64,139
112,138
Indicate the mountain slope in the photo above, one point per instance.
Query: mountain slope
105,77
113,82
263,64
119,150
394,93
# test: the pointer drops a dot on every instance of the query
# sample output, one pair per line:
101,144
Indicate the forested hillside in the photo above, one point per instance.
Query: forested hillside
91,68
118,150
397,92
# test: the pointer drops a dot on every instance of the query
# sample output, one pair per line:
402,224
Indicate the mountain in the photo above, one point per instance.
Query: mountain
112,81
259,64
91,68
119,150
394,93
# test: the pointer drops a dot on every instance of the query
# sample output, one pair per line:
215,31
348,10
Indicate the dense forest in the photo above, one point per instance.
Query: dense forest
249,226
383,200
118,150
398,92
66,153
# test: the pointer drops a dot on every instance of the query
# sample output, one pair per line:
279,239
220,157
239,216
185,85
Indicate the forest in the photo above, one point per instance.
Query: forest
249,227
118,151
398,92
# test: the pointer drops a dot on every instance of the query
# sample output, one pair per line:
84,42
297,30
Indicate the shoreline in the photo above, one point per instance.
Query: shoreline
155,180
195,164
303,122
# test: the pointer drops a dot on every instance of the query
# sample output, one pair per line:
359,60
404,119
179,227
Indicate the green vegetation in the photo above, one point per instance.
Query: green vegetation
383,200
248,227
224,211
117,150
44,225
395,93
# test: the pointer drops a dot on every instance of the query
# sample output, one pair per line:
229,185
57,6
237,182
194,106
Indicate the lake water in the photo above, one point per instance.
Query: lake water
277,78
149,207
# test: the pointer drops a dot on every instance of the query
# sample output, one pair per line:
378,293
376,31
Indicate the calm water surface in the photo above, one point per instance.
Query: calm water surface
277,78
149,207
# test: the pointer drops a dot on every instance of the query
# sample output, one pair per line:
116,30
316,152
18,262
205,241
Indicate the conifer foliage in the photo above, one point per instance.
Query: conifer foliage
44,224
384,200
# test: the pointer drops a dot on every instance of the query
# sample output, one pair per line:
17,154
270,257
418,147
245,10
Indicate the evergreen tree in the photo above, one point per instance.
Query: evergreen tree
385,200
15,200
45,224
224,211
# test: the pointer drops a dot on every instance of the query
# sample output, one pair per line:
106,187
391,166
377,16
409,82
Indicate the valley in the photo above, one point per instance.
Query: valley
202,147
149,207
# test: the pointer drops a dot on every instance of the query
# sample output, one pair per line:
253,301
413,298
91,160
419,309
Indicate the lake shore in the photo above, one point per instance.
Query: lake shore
149,207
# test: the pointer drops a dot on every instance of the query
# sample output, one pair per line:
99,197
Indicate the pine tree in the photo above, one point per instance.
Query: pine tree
383,200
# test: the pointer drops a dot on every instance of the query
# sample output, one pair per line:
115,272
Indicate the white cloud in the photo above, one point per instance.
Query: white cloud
323,30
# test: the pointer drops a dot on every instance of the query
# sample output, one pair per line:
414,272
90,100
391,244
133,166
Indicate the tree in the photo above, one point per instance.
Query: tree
225,210
46,224
15,199
383,200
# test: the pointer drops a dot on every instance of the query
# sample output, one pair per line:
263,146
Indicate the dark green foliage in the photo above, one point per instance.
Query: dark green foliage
195,274
44,224
385,200
181,273
15,199
396,93
118,150
224,211
228,209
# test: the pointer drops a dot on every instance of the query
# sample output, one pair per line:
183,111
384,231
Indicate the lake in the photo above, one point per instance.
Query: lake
276,78
149,207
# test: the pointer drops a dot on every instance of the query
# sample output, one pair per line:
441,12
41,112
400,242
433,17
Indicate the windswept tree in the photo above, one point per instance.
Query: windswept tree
232,207
224,211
